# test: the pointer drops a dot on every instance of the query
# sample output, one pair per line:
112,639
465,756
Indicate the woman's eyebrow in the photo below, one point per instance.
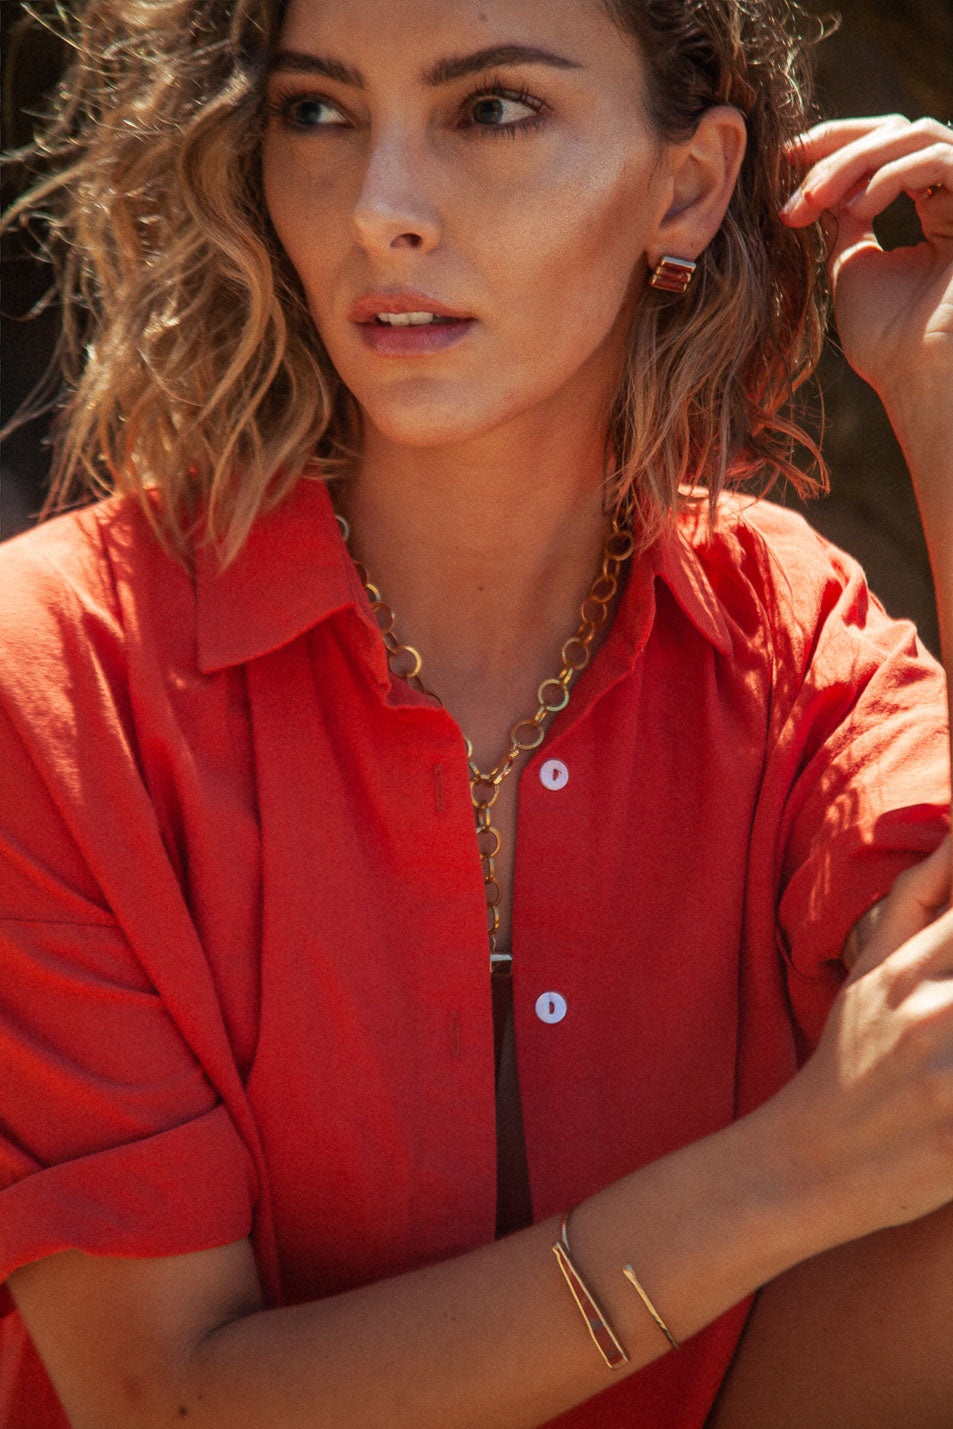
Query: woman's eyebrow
443,72
456,67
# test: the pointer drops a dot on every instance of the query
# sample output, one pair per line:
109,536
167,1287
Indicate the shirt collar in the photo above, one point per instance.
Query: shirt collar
678,564
294,571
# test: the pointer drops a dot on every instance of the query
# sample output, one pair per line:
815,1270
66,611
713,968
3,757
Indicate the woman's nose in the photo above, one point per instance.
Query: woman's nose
393,208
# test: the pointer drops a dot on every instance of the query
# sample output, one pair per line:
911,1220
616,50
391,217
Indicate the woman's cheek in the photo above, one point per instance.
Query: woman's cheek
599,236
301,201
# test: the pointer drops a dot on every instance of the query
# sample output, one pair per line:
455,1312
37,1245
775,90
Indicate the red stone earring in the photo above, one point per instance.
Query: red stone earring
673,275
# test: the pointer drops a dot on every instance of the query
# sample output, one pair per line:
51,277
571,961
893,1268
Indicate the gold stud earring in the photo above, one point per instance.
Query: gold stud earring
673,275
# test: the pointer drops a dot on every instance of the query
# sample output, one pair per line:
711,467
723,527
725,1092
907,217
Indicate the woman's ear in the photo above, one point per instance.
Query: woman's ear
702,172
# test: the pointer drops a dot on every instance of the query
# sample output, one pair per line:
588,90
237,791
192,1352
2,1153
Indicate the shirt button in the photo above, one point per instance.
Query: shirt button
551,1007
554,774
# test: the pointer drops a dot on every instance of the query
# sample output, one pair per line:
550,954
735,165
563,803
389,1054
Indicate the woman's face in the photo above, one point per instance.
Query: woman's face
491,160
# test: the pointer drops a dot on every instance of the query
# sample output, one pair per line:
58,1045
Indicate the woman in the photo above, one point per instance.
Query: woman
263,1166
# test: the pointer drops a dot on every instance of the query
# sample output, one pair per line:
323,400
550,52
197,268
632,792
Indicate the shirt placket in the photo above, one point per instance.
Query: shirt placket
374,1071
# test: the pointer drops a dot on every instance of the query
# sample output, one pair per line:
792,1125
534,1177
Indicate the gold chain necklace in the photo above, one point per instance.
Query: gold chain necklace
526,734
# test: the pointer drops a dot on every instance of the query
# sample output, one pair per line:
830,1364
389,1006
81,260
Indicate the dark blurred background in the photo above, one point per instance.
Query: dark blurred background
886,56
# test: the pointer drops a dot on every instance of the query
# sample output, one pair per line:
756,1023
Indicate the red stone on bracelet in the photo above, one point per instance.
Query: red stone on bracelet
596,1323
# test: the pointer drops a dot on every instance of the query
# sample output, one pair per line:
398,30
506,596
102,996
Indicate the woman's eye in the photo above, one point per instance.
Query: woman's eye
307,111
495,111
500,112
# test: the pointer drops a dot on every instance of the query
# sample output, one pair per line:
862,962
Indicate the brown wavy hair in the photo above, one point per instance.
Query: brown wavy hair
192,363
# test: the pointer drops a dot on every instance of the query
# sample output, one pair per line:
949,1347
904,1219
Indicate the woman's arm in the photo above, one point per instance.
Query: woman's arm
921,413
895,310
861,1138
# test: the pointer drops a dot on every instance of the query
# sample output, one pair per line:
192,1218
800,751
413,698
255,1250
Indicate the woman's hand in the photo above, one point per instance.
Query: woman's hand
894,310
919,895
872,1110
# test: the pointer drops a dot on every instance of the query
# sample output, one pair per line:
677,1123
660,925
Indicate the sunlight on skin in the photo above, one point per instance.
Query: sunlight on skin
534,225
527,195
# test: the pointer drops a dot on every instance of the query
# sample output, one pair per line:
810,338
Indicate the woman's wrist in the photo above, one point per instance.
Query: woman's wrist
705,1226
920,410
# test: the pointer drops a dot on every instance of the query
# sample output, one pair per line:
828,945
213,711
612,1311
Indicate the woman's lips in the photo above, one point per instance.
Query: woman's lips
413,341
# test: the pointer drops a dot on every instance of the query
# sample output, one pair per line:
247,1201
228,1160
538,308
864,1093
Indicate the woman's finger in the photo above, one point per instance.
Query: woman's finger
918,896
826,138
925,176
838,176
924,953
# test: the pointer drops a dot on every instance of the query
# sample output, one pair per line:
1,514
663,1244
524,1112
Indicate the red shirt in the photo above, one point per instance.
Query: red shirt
244,980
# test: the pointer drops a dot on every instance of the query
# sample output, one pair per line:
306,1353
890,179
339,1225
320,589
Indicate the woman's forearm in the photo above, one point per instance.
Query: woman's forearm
921,413
857,1140
493,1337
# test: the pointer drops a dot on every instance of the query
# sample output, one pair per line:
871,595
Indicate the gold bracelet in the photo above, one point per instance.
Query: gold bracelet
596,1323
630,1275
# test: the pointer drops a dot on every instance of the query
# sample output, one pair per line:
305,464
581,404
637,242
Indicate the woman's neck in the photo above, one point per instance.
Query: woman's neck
485,554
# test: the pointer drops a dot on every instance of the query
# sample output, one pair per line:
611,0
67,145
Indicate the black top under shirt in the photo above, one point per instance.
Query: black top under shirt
514,1208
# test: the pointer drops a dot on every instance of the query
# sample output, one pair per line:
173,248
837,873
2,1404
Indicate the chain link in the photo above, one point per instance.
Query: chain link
526,734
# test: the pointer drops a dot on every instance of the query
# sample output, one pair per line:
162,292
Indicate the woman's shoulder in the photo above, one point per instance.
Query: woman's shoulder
80,547
759,539
775,555
83,554
71,587
778,579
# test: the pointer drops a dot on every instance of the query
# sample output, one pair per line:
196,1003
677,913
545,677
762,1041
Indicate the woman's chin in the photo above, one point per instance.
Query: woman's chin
431,424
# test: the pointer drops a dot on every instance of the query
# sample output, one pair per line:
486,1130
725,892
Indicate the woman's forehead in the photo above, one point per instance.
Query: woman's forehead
430,33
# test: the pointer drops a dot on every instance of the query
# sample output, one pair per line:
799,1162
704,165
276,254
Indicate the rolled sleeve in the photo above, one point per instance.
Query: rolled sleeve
120,1101
112,1140
862,758
185,1189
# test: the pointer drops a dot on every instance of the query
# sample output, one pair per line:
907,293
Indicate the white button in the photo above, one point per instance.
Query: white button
554,774
551,1007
